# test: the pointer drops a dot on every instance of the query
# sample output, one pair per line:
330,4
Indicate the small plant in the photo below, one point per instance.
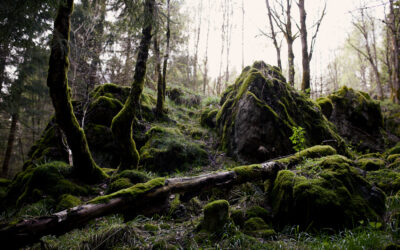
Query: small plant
298,138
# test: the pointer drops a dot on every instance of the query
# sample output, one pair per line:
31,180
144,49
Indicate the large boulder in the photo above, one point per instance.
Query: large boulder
357,117
325,193
259,111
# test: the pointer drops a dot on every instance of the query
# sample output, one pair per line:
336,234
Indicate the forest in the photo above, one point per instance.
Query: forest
199,124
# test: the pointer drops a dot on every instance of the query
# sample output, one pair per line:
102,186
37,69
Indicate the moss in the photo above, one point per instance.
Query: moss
255,223
247,173
238,217
327,193
47,179
308,153
326,106
135,176
386,179
394,165
132,193
111,90
258,211
168,150
208,117
216,215
151,227
392,158
4,182
67,201
102,110
394,150
370,164
119,184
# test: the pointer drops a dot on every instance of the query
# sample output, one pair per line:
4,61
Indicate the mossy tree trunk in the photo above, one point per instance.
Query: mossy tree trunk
84,166
122,123
10,144
160,87
167,49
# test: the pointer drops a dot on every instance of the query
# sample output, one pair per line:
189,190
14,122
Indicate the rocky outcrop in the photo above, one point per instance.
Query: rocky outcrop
357,117
259,111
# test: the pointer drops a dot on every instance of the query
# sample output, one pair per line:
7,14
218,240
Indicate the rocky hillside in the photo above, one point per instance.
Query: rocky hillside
335,184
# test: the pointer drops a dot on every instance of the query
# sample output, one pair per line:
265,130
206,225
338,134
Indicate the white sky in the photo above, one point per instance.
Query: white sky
333,31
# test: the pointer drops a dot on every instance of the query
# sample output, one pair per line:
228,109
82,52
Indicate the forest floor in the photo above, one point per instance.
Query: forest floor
178,228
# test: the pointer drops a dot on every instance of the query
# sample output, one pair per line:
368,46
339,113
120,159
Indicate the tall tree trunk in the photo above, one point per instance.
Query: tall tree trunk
205,75
223,37
242,34
122,123
290,40
273,36
305,83
160,87
229,14
10,144
394,28
167,50
196,48
4,50
84,166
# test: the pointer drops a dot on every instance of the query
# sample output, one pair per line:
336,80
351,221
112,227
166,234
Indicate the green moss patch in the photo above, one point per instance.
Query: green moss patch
168,150
133,192
208,117
386,179
326,194
370,164
67,201
118,184
216,215
102,110
308,153
326,106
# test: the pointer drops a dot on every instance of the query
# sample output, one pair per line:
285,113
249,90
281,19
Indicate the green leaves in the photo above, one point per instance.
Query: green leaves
298,138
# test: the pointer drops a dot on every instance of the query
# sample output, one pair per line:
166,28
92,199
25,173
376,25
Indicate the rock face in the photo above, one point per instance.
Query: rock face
259,111
357,117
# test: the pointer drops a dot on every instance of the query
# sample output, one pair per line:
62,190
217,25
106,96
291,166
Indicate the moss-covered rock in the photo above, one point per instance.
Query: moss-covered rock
393,150
49,179
358,119
118,184
392,158
102,110
182,96
134,176
259,111
67,201
238,217
257,211
386,179
326,106
168,150
216,215
333,195
257,227
112,91
370,164
208,117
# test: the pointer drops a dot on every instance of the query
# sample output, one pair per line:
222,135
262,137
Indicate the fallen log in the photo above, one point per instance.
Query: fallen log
143,198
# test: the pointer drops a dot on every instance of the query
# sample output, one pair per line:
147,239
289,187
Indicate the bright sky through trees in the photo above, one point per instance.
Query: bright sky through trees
333,31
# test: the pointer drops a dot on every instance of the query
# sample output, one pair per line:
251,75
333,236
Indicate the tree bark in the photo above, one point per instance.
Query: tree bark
167,49
394,28
305,83
10,145
205,74
290,40
122,123
147,202
196,48
84,166
160,87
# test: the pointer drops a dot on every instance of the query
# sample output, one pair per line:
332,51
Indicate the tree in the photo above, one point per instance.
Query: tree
307,55
393,25
273,35
366,26
283,21
122,123
167,49
57,81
